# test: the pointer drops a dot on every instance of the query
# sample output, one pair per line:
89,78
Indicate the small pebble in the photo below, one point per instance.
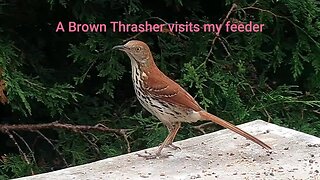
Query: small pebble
195,176
144,176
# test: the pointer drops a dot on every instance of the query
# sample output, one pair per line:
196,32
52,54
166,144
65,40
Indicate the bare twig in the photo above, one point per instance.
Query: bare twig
54,147
201,127
26,144
132,37
269,117
166,23
20,150
94,145
224,46
317,112
123,133
254,3
125,137
234,6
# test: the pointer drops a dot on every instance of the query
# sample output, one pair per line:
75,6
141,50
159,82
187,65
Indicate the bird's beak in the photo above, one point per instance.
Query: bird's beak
119,47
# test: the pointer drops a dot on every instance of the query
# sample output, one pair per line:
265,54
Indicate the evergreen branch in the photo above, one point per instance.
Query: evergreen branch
286,18
308,103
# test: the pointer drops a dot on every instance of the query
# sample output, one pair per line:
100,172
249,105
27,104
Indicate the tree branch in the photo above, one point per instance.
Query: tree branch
56,125
6,129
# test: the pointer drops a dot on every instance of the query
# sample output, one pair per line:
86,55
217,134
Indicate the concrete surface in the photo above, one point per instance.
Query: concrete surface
219,155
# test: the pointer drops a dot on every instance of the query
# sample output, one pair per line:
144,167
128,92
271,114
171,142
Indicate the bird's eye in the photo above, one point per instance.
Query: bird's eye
138,49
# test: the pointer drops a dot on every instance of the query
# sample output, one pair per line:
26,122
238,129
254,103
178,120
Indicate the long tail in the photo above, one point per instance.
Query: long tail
207,116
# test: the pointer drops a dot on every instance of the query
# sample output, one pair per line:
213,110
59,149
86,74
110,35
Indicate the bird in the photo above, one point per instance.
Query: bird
166,99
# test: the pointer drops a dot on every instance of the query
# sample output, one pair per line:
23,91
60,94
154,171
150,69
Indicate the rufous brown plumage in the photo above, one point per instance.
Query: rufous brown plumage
166,99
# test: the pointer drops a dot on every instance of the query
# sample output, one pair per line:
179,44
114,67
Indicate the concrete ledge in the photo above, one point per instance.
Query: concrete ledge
219,155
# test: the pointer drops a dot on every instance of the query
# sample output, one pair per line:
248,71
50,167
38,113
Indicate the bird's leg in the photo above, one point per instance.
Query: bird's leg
173,130
158,152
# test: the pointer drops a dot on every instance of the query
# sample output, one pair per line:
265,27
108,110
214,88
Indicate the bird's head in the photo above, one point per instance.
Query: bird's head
137,51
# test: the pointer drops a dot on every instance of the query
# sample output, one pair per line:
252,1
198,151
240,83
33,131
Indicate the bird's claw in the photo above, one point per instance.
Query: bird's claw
170,145
153,156
174,147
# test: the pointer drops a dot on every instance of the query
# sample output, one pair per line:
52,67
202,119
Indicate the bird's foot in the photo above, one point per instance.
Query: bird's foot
174,147
170,145
153,156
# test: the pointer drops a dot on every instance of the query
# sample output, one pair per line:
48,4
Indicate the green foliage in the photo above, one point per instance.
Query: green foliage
22,88
95,53
76,78
15,166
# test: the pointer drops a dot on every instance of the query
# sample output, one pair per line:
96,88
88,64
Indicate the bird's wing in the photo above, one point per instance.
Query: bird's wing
161,87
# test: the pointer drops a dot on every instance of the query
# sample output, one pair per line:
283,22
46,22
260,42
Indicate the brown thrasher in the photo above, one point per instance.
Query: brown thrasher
166,99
